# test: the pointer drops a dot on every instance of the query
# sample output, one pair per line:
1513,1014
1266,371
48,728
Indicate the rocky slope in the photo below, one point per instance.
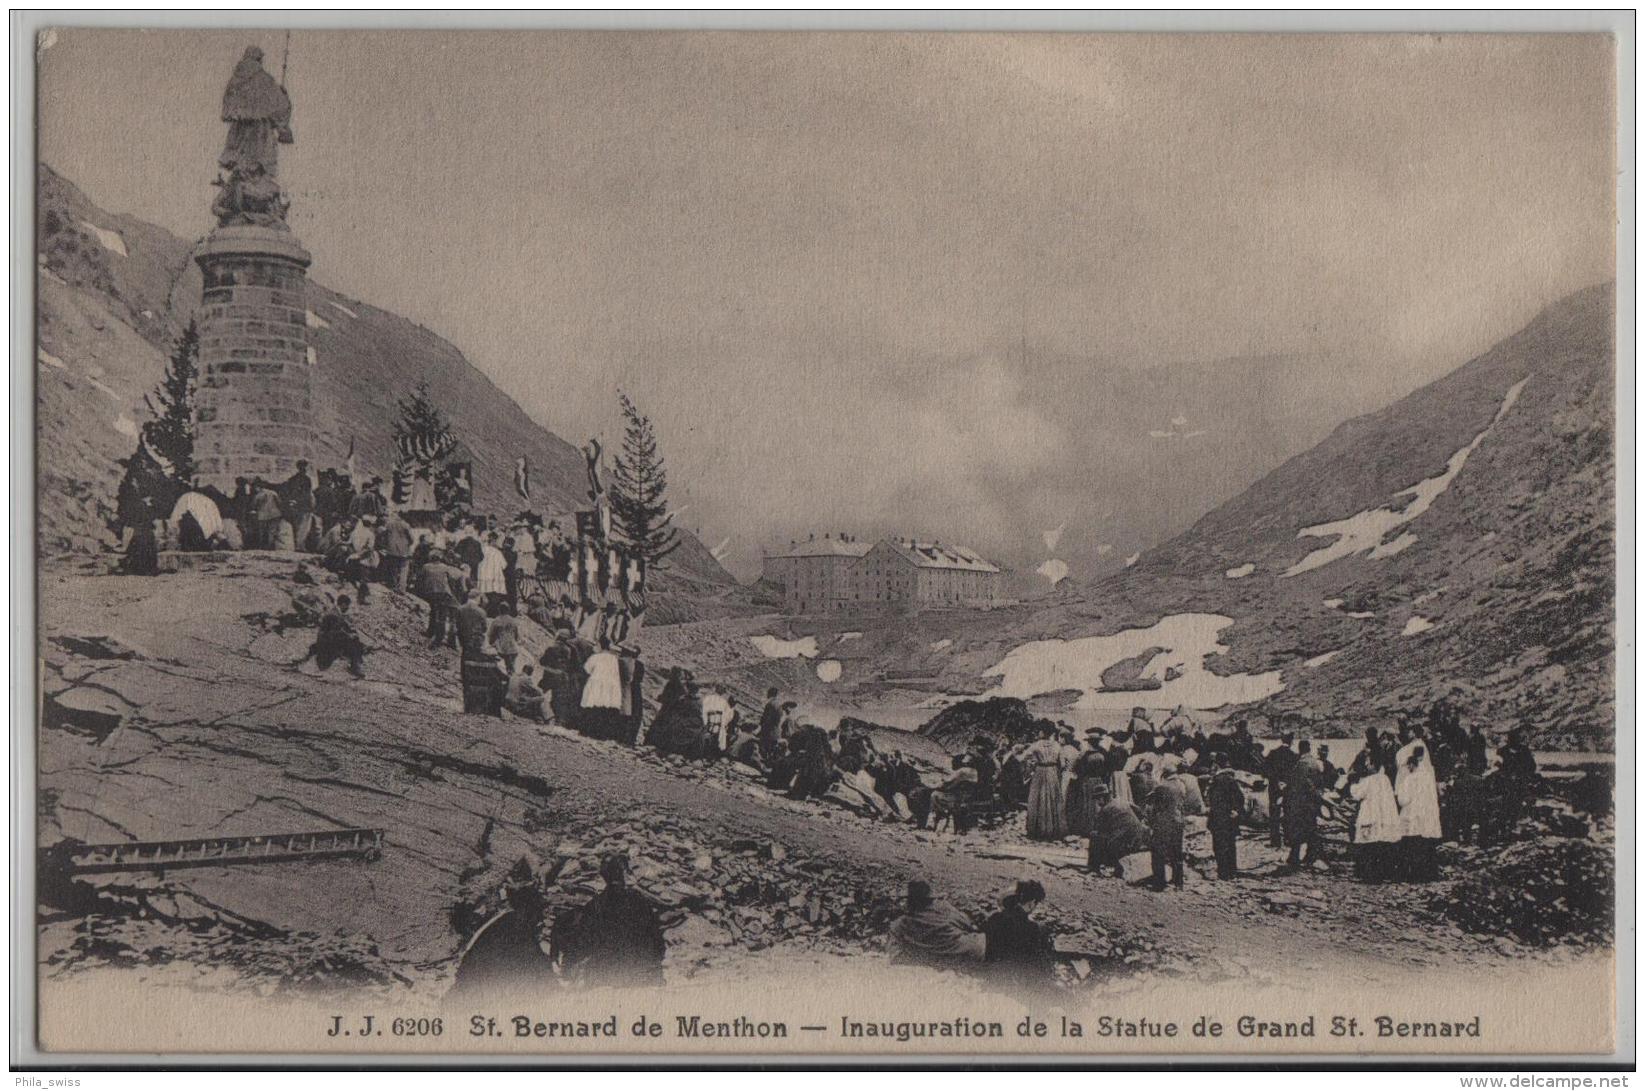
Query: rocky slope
172,712
115,291
1462,537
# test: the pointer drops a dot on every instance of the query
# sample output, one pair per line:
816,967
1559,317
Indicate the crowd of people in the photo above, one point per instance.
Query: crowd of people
1130,790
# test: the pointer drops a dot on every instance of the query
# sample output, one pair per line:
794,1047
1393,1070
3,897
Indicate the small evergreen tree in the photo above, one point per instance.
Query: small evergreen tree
639,509
422,422
170,432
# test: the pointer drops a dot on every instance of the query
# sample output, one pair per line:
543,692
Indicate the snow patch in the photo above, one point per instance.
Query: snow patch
1104,549
1366,531
1321,660
312,358
1053,537
1054,570
773,647
50,361
941,645
105,388
1045,666
125,426
342,308
1241,572
315,322
829,670
1132,559
849,636
110,240
1416,624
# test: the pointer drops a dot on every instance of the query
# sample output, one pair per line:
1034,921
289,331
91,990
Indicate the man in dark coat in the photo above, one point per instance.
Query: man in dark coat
1224,807
471,626
1165,830
1277,766
440,584
615,938
297,501
1302,800
142,552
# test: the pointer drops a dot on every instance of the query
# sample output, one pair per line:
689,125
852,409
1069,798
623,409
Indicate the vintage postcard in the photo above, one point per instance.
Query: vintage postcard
1021,545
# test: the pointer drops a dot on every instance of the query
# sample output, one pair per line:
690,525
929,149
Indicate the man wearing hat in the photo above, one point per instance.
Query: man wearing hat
1277,766
931,932
506,951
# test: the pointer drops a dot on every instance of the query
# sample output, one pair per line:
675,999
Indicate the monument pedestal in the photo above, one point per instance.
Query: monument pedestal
254,405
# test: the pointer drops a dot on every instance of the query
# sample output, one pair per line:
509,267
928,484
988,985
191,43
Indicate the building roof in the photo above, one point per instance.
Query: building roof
937,555
823,547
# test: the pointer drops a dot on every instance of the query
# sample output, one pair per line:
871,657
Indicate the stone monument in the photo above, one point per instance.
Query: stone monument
254,413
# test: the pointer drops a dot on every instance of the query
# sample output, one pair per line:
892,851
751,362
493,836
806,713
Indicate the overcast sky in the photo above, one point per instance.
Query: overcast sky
864,281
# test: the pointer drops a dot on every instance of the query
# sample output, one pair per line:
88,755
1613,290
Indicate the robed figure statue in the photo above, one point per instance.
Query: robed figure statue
258,113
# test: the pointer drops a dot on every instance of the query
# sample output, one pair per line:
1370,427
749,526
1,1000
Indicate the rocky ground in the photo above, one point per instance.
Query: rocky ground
170,712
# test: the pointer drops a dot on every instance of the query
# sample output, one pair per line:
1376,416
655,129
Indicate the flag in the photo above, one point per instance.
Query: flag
348,464
426,447
522,477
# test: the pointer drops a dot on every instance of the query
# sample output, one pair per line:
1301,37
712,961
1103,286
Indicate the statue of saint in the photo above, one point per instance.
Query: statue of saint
258,113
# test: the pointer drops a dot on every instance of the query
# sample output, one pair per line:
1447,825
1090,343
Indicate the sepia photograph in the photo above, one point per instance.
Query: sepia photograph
700,543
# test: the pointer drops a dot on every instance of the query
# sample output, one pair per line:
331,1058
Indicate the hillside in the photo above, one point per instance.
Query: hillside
114,292
1461,537
171,711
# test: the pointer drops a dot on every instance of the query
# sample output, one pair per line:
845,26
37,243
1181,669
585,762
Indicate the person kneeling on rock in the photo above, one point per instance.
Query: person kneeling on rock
337,639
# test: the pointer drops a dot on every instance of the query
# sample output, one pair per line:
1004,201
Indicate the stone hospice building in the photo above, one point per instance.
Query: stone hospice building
844,575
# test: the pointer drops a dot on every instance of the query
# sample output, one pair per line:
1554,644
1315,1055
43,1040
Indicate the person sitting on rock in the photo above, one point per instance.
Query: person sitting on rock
613,939
523,698
1017,948
934,933
337,639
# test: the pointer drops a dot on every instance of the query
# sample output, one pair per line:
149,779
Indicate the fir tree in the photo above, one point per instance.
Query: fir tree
170,432
421,420
638,483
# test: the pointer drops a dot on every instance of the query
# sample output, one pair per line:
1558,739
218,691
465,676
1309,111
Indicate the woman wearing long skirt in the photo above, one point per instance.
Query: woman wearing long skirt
1045,804
1085,797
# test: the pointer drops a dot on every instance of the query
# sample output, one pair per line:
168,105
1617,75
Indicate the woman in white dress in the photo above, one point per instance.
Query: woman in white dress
491,577
602,698
1377,824
1417,794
